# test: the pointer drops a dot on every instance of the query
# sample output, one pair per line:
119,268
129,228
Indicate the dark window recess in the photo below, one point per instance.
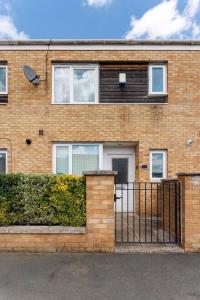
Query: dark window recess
2,163
121,166
3,99
134,91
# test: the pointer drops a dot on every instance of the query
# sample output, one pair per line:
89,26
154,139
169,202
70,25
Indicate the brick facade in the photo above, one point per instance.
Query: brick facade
166,126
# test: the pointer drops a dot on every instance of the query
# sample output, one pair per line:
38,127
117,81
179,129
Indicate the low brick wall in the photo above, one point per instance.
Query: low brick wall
190,211
98,236
188,222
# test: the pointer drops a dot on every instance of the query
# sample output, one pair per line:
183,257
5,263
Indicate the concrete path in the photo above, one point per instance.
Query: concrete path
100,276
134,229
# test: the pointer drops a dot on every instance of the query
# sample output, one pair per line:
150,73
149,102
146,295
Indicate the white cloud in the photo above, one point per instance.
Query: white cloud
98,3
8,29
166,21
192,8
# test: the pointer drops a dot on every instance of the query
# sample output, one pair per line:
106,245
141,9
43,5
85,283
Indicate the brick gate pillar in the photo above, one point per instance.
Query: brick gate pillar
190,211
100,210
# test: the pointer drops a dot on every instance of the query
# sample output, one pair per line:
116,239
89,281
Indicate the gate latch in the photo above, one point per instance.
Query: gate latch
116,198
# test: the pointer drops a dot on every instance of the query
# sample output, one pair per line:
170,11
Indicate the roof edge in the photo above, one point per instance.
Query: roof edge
85,42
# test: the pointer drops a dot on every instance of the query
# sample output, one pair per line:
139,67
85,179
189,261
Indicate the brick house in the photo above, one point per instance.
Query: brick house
131,106
126,106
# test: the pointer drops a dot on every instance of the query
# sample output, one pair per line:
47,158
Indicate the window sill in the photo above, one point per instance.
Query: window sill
78,103
32,229
157,95
117,103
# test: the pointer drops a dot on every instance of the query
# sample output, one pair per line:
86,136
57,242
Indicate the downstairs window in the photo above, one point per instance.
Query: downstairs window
3,162
158,164
77,158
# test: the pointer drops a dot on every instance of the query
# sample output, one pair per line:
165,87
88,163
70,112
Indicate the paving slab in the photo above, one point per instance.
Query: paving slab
148,248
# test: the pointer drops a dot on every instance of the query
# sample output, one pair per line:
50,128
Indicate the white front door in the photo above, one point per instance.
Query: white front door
122,161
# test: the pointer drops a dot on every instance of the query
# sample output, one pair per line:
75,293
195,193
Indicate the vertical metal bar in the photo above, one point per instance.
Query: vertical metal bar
145,226
151,213
115,207
134,212
180,212
163,200
170,211
122,215
127,212
175,217
157,210
139,213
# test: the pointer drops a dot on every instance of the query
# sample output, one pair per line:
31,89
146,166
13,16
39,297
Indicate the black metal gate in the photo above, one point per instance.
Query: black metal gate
148,212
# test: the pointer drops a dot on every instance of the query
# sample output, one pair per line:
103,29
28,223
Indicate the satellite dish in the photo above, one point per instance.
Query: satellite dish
31,75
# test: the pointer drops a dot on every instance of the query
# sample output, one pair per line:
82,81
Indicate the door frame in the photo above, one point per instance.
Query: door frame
121,152
131,175
128,198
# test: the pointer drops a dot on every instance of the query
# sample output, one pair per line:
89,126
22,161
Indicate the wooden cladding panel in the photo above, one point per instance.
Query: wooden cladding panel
135,90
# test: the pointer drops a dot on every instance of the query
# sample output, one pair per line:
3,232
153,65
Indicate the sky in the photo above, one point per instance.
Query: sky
99,19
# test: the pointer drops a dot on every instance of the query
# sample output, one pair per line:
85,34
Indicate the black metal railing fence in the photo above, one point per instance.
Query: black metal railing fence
148,212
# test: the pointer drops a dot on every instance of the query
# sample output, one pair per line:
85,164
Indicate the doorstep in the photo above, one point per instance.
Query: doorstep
148,248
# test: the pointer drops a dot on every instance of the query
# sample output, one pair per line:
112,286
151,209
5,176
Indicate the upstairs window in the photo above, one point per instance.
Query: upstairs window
3,162
157,79
3,80
75,84
158,164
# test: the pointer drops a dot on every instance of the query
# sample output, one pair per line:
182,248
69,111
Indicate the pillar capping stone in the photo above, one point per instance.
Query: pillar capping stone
169,179
100,173
188,174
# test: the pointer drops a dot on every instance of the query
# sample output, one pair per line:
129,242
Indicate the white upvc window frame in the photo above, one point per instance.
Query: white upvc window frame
55,145
164,152
6,153
150,83
71,67
6,91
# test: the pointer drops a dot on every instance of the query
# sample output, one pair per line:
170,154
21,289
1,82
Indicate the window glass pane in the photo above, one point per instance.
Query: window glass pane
61,85
62,160
85,158
84,85
2,80
157,165
157,80
2,162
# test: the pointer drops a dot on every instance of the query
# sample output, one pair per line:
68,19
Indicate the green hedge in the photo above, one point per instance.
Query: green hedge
42,200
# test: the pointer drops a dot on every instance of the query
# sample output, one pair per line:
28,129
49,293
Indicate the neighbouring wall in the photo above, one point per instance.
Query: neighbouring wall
185,200
170,208
190,211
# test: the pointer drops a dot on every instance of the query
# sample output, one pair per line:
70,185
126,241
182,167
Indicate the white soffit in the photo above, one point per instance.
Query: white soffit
7,47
